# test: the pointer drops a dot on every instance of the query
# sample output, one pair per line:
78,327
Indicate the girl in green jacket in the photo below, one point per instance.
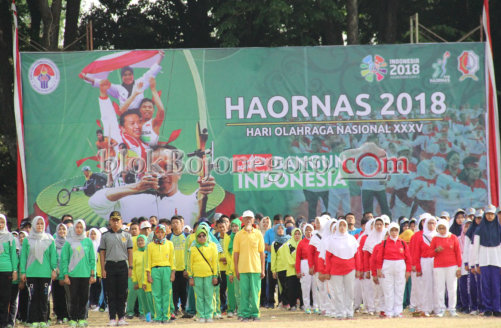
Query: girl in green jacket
38,267
78,266
8,269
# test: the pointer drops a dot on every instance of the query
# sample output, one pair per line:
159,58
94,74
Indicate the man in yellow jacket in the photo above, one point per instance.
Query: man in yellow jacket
248,255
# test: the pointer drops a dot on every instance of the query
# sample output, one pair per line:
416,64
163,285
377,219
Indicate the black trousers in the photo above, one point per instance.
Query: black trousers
59,306
179,291
79,296
117,274
312,199
272,284
38,306
22,306
95,292
282,275
14,292
262,300
292,288
222,291
5,286
368,197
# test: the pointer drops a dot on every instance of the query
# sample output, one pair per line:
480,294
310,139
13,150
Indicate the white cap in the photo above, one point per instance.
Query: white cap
248,214
479,213
386,219
446,214
491,209
217,216
144,225
470,211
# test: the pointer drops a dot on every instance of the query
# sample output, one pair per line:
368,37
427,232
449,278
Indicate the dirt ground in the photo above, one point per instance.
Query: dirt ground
277,318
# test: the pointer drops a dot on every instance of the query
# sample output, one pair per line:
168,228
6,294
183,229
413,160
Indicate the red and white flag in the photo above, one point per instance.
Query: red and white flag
492,119
22,194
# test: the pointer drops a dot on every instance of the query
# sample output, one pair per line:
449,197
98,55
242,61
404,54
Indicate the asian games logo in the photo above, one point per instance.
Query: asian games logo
468,65
440,69
44,76
373,68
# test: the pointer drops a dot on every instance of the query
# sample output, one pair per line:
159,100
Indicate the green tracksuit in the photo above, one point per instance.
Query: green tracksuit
84,268
204,295
8,258
162,292
250,288
37,269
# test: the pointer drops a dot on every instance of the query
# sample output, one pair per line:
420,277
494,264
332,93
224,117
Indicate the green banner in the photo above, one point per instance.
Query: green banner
397,129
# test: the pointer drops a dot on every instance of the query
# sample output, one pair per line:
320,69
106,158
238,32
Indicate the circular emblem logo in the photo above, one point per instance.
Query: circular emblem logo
44,76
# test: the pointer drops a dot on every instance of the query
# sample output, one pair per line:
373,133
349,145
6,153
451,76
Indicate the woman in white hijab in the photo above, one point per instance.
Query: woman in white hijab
58,291
95,288
341,263
395,264
424,267
8,269
375,295
314,261
38,266
326,296
78,265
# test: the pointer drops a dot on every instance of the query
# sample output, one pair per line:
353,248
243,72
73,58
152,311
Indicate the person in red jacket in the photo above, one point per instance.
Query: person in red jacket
342,265
302,268
375,293
366,284
424,266
394,268
446,251
415,306
316,264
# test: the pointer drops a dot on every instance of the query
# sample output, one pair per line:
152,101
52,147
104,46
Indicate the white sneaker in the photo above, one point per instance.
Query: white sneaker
209,320
122,322
474,312
230,315
112,323
201,320
440,314
453,313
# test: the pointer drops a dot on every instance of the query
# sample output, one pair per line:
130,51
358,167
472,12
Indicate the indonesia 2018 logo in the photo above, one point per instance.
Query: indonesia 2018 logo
44,76
373,68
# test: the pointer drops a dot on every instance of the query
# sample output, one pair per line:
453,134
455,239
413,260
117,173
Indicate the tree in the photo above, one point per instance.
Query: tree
352,21
71,25
50,18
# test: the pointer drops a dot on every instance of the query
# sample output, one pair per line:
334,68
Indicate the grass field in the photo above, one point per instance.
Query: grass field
285,319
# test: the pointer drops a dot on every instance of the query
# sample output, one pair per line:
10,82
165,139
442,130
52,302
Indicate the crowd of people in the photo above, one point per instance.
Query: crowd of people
230,266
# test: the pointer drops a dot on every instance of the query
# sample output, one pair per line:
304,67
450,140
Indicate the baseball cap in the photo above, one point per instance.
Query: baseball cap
470,211
144,225
115,215
446,214
248,214
85,168
479,213
491,209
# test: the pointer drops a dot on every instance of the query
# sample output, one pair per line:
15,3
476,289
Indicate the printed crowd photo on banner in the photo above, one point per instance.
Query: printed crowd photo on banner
397,130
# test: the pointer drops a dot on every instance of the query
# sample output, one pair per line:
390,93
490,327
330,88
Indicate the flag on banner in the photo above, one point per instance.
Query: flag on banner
22,201
493,152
